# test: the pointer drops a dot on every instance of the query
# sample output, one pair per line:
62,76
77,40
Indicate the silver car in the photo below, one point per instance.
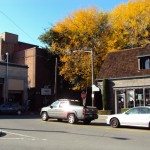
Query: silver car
71,110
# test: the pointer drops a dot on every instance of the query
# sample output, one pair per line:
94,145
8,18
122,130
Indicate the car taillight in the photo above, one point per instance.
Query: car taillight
84,111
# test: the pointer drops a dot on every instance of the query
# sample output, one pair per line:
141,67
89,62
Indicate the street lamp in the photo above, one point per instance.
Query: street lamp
6,87
92,72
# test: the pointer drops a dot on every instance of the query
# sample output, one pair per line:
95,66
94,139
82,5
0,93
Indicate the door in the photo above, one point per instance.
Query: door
63,109
144,116
53,110
131,117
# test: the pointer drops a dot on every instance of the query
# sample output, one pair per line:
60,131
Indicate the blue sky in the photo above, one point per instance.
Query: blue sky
29,18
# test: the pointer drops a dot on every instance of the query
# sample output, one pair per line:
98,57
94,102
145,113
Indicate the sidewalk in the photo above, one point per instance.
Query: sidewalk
101,119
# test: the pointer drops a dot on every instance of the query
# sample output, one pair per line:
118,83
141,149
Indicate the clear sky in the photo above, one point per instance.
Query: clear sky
29,18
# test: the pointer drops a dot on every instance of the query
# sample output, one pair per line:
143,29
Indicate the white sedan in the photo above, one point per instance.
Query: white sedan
137,116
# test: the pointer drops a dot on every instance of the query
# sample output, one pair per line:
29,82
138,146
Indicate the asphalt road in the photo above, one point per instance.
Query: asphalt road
31,133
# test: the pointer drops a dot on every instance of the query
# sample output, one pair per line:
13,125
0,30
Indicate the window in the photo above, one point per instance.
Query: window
130,96
144,62
133,111
139,100
121,98
144,111
147,63
63,104
147,97
74,102
55,104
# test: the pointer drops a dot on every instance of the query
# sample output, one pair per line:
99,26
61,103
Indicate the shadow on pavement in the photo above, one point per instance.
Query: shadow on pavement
80,123
23,116
67,132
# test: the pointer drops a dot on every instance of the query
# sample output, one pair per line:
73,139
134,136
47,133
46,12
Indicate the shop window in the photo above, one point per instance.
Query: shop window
130,98
139,101
121,98
147,97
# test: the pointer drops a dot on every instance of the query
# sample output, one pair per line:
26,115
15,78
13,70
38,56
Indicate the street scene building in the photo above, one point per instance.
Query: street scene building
41,82
128,72
26,72
13,83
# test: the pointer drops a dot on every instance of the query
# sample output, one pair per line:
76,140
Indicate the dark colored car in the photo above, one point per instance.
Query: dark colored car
10,108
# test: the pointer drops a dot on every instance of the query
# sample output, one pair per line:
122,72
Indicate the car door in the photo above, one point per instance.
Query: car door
63,106
53,110
131,117
144,117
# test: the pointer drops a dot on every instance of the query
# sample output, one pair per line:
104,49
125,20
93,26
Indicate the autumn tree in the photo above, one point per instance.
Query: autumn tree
85,30
130,23
126,26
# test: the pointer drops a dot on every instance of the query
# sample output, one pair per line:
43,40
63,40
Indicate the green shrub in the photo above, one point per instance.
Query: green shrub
105,96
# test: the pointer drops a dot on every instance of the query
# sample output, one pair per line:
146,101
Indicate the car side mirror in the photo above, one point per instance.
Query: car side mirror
51,106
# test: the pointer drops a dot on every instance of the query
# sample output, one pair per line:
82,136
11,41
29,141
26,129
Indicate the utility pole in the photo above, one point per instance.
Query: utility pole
55,84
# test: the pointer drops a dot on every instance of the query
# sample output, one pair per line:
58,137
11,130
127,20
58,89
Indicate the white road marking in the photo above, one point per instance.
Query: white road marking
11,138
22,135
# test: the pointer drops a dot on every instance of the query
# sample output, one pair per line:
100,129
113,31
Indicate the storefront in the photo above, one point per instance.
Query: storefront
131,97
13,83
1,89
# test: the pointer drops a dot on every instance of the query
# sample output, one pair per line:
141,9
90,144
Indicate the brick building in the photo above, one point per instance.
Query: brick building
41,68
128,72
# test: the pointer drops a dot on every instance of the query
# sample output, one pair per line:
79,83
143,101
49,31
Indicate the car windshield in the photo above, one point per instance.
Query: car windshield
139,110
132,111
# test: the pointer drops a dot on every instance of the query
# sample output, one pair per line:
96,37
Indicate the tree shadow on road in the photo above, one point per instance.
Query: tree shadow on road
23,116
98,135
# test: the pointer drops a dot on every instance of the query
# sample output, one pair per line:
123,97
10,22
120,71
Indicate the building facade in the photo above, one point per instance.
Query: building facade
41,67
128,72
45,85
13,83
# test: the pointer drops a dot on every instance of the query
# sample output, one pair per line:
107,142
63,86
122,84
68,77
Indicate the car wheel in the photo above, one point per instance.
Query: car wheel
114,122
71,118
86,122
44,116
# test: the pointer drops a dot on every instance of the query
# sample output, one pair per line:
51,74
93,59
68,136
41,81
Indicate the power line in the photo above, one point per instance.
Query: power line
15,24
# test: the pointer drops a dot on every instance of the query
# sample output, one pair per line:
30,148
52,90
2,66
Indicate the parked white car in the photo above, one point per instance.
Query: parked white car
137,116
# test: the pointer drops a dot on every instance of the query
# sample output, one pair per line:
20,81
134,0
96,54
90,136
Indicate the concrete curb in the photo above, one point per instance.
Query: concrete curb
101,119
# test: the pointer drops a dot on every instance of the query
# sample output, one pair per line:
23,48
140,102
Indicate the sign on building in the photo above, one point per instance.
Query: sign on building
46,91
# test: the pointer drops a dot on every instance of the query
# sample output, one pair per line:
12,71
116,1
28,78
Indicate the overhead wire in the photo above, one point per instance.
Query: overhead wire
15,24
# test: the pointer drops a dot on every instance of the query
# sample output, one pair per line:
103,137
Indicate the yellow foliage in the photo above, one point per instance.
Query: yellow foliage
130,24
126,26
83,20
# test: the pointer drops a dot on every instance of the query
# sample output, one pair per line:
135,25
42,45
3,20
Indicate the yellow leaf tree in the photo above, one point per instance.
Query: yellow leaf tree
73,38
130,23
126,26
